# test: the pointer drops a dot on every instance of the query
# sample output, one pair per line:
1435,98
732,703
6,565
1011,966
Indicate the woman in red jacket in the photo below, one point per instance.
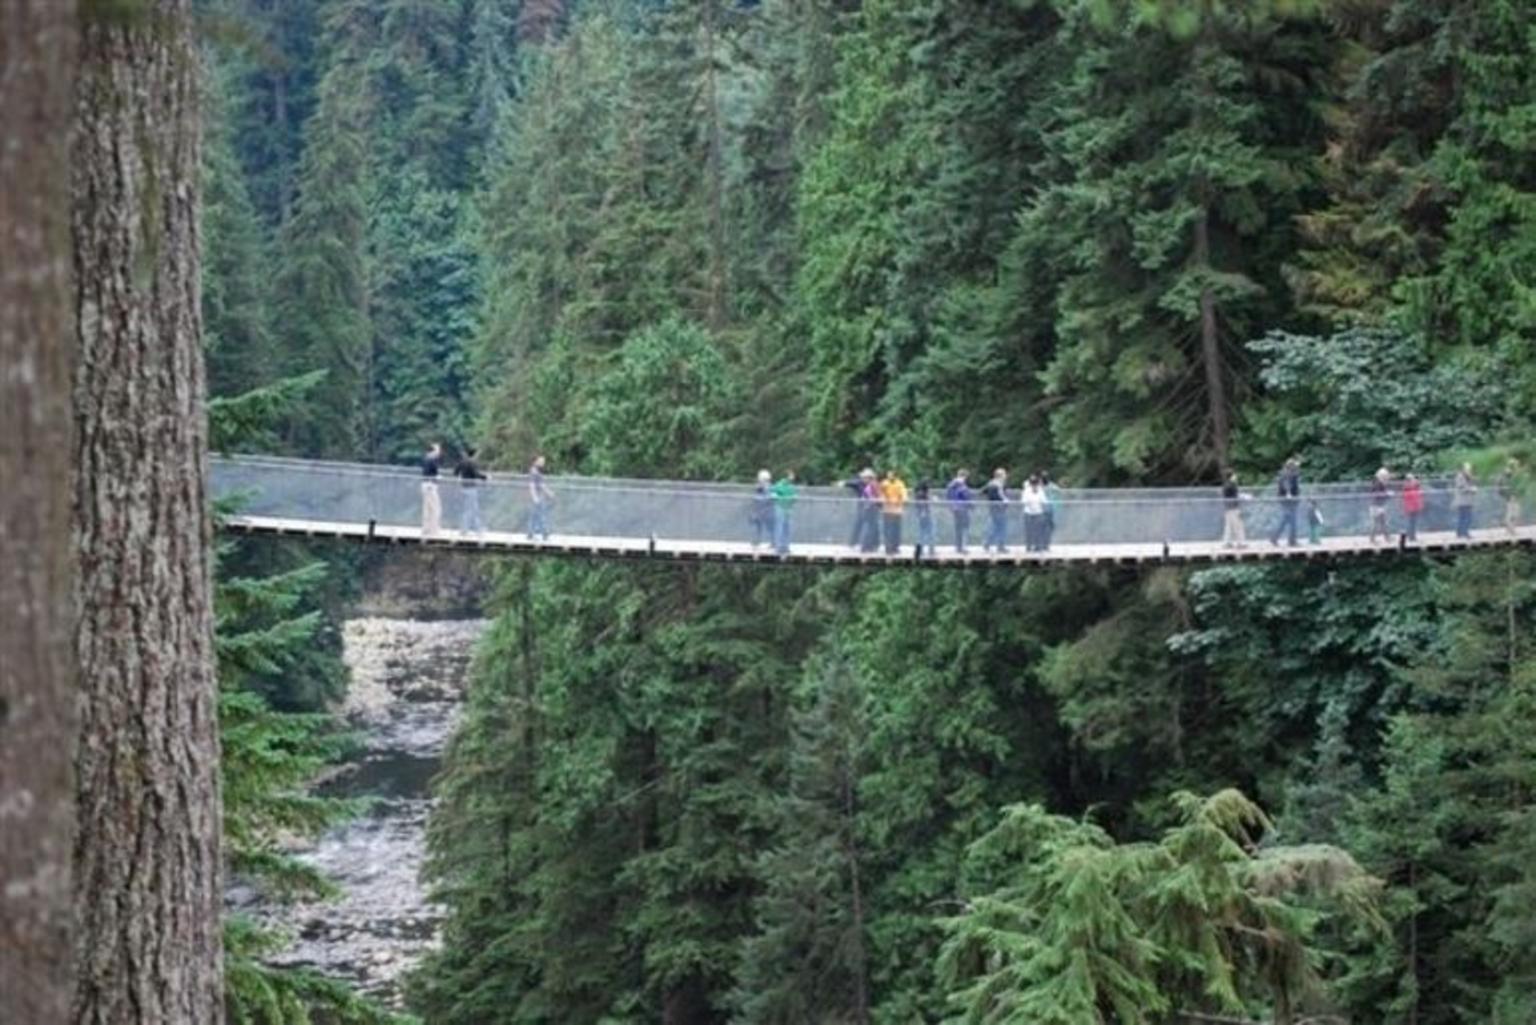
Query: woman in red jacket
1413,504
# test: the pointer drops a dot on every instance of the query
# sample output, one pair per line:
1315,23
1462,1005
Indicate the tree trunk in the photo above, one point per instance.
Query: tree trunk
855,888
147,871
1210,347
37,683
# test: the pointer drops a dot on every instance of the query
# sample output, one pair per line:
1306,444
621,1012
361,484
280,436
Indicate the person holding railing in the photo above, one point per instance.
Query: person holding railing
1288,487
539,497
431,501
995,492
1413,505
784,495
762,509
958,495
1463,497
893,500
469,474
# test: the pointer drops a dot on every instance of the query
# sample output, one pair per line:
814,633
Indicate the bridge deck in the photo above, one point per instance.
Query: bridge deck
683,550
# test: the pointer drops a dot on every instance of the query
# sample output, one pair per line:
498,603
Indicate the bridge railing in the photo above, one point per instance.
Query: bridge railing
638,510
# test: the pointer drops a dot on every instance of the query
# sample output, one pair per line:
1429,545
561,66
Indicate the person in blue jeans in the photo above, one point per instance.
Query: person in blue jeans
995,492
1463,497
762,509
958,495
539,497
784,494
1288,489
470,475
922,499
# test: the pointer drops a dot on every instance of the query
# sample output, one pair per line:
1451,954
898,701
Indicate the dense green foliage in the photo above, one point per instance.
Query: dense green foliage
1127,240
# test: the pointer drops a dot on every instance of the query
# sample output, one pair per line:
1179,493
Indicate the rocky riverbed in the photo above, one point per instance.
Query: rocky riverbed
406,689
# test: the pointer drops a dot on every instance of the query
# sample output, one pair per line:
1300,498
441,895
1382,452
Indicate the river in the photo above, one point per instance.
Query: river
404,696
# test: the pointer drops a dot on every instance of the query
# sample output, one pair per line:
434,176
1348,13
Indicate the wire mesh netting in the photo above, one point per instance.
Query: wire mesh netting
587,507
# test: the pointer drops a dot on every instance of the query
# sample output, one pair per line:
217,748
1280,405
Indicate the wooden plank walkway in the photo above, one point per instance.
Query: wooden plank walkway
686,551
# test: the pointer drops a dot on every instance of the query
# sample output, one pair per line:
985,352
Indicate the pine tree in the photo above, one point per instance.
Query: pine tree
808,958
1158,229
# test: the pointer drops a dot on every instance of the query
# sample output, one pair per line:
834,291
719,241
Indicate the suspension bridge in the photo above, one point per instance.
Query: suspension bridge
688,521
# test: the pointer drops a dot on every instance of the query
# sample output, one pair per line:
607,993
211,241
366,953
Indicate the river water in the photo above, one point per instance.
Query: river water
404,696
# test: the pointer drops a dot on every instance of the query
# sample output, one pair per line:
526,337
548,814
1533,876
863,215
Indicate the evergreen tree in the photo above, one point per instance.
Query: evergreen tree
1169,187
808,959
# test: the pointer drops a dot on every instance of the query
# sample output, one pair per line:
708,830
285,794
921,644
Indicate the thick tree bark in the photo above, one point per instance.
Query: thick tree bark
1210,348
147,869
37,685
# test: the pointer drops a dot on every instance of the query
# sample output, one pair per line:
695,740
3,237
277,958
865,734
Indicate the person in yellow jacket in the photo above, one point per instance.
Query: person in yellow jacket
893,501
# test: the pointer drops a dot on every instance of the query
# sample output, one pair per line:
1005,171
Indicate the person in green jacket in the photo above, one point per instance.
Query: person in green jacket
784,494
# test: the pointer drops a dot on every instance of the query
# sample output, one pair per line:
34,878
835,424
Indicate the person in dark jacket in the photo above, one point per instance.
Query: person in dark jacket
958,495
1233,533
469,474
1288,488
995,492
431,501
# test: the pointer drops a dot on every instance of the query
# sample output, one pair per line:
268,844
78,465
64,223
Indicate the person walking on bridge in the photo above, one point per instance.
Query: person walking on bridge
469,474
784,495
1288,488
1463,497
1233,534
431,501
1413,505
958,495
995,491
1509,491
539,498
893,501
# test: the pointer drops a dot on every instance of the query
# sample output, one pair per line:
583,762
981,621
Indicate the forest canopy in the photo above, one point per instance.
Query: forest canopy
1125,241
